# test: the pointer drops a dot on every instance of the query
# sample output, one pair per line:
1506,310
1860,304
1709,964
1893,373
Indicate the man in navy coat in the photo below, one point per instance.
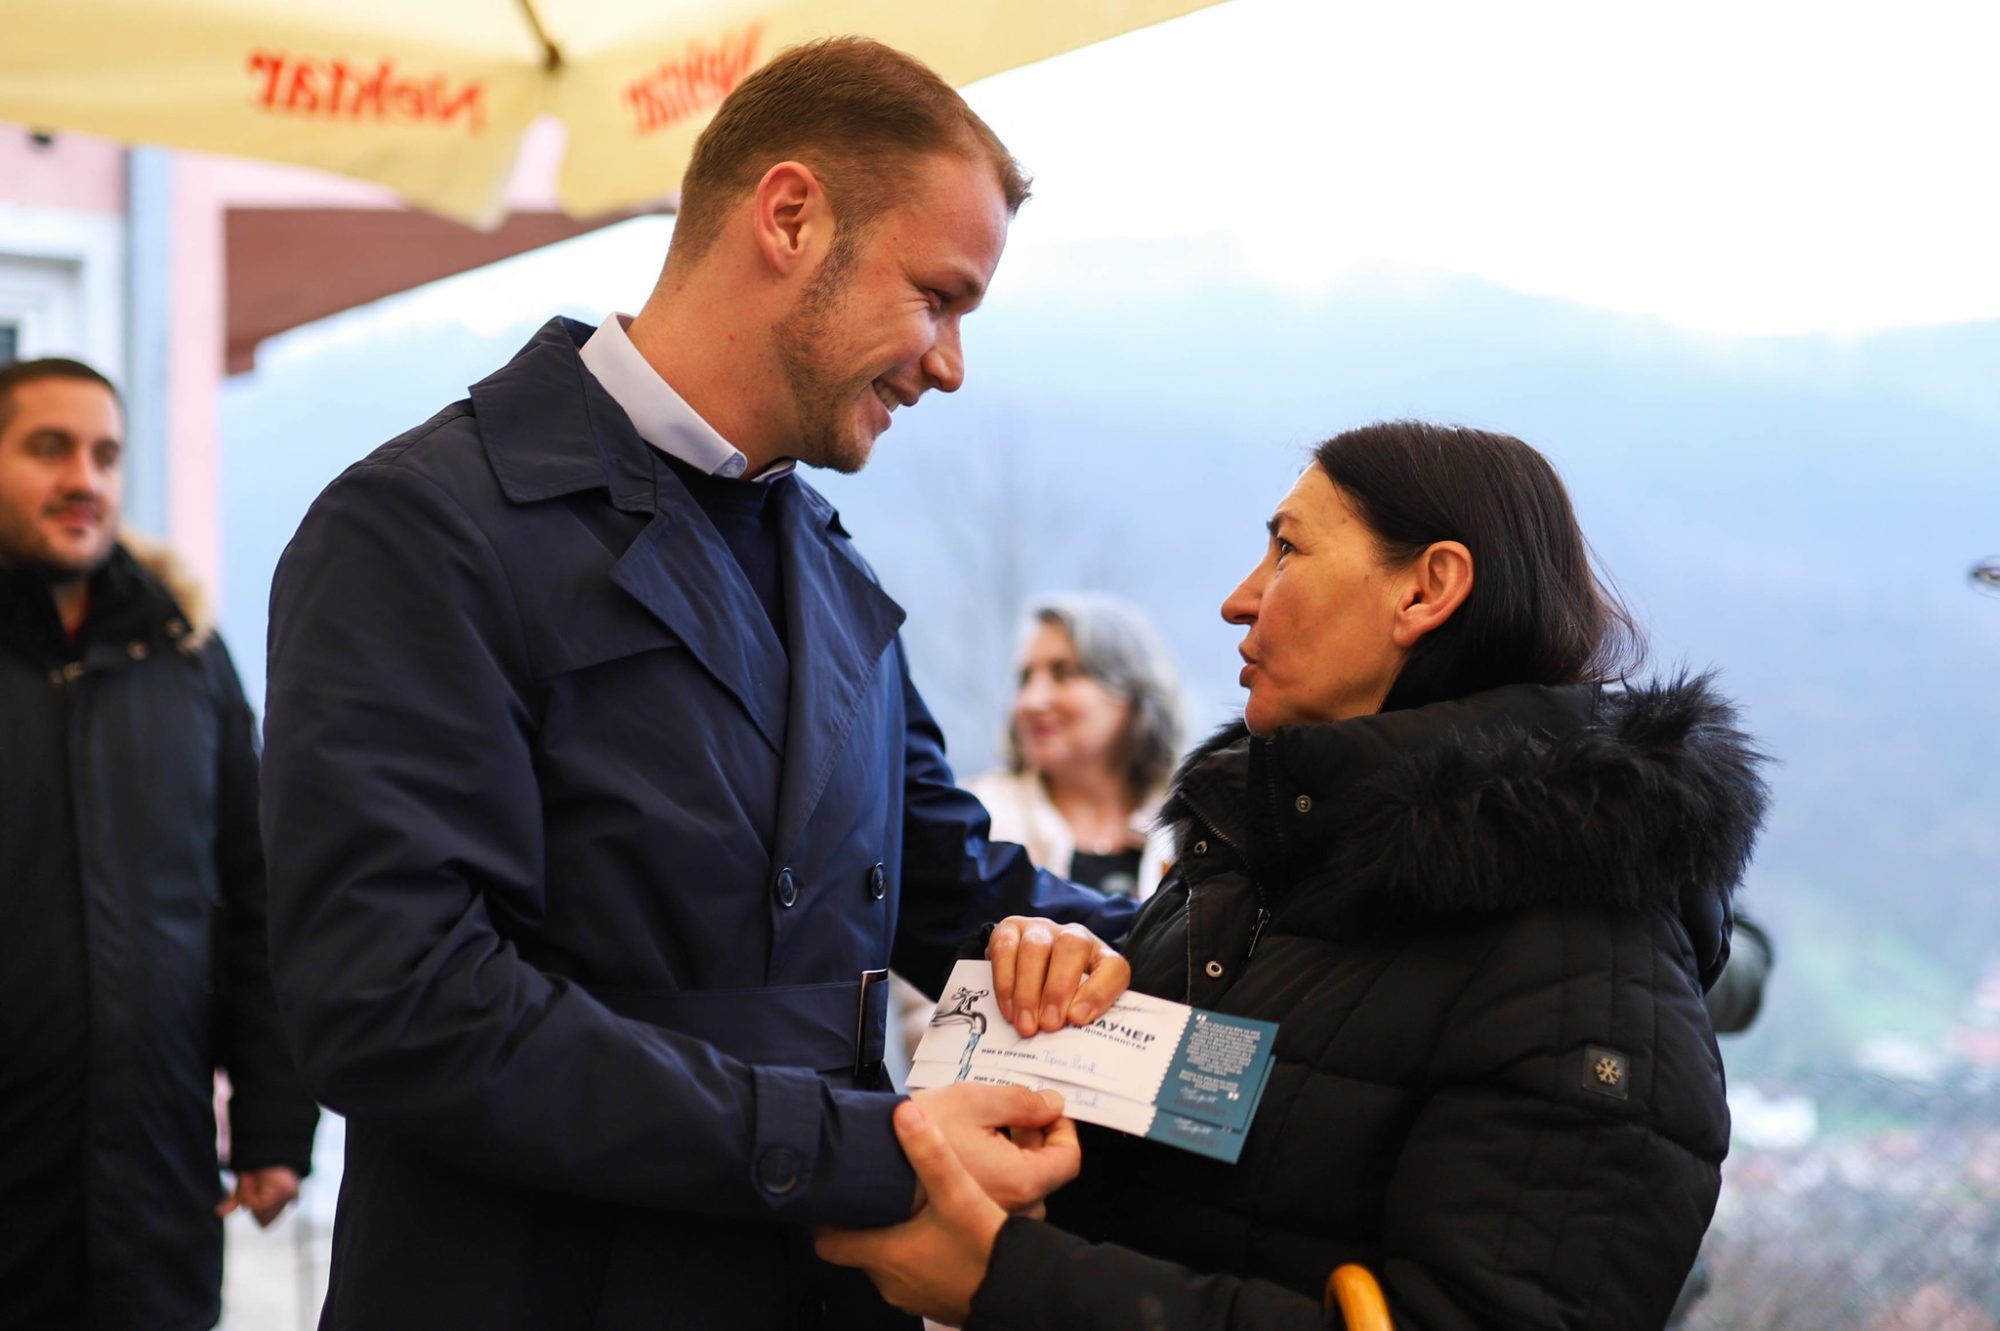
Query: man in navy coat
597,794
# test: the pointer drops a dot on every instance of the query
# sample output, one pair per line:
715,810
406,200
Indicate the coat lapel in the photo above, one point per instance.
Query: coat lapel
680,569
839,624
551,430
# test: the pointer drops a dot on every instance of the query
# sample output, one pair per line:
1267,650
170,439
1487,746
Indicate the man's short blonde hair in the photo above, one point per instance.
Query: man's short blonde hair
857,113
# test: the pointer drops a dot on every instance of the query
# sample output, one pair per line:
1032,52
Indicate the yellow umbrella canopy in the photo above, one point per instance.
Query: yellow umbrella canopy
432,97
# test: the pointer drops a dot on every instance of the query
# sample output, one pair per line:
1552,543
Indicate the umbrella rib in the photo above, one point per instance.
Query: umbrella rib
551,57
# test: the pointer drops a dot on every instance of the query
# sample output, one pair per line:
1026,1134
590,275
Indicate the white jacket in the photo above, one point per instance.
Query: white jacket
1022,813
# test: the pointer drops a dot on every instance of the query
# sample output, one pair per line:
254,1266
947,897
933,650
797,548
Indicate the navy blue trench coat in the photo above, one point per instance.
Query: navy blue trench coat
575,869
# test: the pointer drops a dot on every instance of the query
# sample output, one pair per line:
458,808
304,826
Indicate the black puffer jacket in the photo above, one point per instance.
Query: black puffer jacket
1486,927
133,962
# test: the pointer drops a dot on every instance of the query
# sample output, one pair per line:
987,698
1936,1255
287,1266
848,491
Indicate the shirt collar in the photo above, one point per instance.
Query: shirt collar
660,415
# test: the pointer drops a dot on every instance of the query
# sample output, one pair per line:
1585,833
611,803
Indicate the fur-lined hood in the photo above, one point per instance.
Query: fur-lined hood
142,595
178,582
1507,800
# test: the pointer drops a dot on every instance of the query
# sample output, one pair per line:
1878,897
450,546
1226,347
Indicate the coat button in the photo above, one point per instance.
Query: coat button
1213,970
1303,803
137,651
778,1170
1201,848
878,882
787,889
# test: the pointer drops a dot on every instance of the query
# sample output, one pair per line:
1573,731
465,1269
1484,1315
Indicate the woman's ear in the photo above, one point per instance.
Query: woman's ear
1439,581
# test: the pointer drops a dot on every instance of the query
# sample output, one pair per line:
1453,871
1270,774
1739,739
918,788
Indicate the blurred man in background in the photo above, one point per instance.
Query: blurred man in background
132,956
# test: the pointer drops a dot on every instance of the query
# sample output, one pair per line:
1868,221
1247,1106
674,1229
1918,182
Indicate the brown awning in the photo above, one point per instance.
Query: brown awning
290,266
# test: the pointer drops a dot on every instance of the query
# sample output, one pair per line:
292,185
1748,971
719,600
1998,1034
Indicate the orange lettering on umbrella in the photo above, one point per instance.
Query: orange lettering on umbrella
694,83
335,89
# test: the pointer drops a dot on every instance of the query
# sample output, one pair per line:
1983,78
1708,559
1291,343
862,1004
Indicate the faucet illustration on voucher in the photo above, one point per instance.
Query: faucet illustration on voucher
961,1007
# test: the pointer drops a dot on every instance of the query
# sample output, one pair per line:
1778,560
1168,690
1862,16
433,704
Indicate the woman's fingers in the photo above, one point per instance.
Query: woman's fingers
932,1263
944,1178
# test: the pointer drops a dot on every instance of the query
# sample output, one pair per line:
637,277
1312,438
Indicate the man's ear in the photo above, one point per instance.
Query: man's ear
1438,582
790,218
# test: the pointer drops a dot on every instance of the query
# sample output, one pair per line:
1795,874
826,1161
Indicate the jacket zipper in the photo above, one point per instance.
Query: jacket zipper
1263,903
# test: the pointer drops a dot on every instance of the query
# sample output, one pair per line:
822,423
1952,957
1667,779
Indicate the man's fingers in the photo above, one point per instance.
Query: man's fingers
1061,1135
1072,954
986,1109
1001,946
1110,975
1012,1106
1055,1162
1031,969
227,1205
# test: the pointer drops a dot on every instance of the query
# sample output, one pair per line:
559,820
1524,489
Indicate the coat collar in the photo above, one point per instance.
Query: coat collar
550,430
1516,798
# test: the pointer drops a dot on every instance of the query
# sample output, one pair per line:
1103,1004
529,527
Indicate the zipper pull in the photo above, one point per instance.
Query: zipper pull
1257,931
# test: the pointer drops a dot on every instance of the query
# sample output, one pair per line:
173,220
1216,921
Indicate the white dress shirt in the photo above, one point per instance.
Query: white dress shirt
660,415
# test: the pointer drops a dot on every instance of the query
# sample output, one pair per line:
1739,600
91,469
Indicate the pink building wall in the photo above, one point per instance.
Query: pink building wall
43,189
74,173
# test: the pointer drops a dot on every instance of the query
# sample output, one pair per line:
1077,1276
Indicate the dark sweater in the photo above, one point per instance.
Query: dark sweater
746,518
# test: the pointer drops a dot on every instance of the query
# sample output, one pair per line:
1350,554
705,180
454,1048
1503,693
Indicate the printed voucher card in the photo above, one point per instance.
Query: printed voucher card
1150,1067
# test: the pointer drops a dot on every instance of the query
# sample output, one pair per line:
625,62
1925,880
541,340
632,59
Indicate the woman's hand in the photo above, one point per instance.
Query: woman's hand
932,1263
1046,973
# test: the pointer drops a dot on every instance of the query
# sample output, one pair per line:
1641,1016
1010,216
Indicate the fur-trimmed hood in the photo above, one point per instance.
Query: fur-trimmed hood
1512,799
179,583
142,596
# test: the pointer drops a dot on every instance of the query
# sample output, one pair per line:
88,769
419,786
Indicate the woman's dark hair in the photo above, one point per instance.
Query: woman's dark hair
1538,612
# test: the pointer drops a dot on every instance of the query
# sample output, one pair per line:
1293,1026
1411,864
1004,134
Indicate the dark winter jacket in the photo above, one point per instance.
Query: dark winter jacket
1484,928
132,958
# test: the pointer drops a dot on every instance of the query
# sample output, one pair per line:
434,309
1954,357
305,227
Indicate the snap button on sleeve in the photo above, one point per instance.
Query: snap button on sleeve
1213,970
1303,803
787,889
1201,848
778,1170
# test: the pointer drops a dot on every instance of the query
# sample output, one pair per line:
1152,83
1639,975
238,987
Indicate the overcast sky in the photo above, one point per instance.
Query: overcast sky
1760,166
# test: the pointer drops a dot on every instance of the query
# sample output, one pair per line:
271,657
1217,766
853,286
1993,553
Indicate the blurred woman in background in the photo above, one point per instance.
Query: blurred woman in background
1093,735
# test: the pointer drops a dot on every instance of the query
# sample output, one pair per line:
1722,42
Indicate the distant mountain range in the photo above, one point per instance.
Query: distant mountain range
1799,512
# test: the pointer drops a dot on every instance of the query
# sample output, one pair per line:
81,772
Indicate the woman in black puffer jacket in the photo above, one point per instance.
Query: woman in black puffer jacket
1480,891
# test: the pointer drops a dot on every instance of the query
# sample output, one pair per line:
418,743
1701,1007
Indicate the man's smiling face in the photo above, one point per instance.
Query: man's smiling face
878,324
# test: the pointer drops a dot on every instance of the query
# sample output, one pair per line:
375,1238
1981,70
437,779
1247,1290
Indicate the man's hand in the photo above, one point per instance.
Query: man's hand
264,1193
1015,1168
1046,973
932,1263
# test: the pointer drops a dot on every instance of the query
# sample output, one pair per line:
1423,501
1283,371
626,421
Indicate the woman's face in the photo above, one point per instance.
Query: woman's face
1317,614
1066,721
